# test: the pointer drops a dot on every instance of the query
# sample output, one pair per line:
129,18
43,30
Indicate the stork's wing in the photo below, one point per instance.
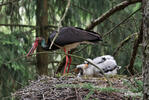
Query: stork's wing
68,35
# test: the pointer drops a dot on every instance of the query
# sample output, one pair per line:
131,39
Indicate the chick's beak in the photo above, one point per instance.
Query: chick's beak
31,51
86,66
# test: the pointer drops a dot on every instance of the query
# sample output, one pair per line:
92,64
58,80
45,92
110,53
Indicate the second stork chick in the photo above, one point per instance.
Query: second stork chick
107,63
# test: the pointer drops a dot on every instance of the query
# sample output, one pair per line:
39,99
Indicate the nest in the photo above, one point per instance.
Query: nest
71,88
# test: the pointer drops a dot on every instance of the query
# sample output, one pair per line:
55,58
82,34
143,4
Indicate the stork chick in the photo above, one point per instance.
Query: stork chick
107,63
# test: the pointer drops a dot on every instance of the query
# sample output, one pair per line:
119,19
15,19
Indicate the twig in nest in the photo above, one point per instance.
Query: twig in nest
43,97
78,96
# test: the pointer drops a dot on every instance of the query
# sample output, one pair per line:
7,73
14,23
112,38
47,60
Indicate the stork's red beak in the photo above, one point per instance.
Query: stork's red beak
31,51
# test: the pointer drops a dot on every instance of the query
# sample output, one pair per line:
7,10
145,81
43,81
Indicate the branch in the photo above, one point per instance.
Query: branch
107,14
121,22
134,52
123,42
56,62
31,26
18,25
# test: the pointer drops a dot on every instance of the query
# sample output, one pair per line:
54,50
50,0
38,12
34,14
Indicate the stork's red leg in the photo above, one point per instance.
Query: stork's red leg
69,63
66,60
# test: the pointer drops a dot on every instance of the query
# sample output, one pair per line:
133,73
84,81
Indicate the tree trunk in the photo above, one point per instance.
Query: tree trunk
41,22
134,52
145,5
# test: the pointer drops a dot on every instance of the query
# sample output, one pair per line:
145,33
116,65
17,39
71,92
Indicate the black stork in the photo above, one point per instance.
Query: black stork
67,39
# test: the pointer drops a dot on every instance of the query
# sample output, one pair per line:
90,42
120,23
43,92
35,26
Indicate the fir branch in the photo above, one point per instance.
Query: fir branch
9,2
81,8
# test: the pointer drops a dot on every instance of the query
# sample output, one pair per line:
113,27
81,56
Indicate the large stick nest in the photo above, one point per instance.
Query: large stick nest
72,88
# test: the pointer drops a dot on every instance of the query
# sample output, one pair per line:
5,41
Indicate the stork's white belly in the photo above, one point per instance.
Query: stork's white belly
68,47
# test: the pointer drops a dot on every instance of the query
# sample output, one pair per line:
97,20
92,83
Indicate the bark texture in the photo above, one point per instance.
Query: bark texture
42,21
145,6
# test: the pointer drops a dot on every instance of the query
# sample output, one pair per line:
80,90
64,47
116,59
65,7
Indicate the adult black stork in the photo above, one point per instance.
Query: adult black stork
68,38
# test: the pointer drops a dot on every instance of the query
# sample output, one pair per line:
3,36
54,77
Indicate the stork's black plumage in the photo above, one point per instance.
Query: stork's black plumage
71,35
67,39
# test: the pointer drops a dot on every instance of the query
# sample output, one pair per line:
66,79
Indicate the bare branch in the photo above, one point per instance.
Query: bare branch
18,25
107,14
121,22
33,62
21,25
123,42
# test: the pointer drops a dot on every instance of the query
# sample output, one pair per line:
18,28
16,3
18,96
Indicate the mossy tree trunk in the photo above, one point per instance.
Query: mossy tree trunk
41,22
145,5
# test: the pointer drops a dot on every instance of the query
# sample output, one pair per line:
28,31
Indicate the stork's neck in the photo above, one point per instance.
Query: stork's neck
44,45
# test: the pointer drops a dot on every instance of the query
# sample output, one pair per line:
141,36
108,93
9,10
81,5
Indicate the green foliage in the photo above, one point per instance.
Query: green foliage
89,94
135,85
138,64
91,88
139,85
13,73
